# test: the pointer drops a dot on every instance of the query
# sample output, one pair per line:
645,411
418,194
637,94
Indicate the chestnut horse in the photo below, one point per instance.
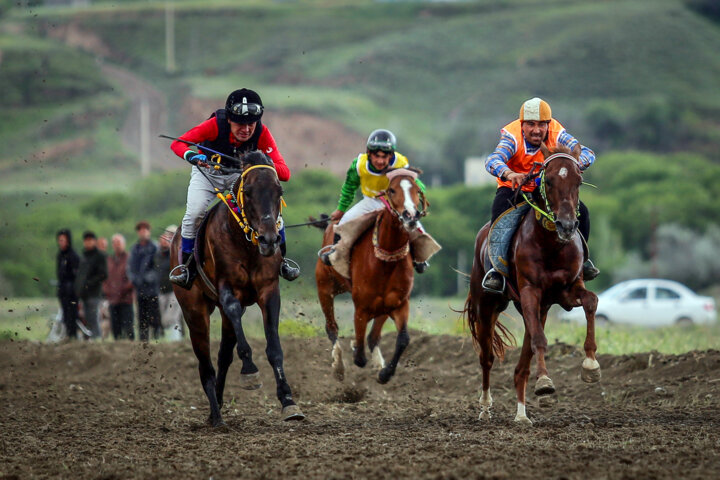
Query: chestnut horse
242,263
546,257
381,277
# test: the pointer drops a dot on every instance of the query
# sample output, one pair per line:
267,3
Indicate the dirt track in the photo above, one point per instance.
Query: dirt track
120,410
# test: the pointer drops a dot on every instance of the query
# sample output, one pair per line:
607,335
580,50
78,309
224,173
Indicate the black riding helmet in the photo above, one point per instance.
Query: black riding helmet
382,140
244,106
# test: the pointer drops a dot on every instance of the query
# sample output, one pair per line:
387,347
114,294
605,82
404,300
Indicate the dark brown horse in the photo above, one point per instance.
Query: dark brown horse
381,278
241,261
546,257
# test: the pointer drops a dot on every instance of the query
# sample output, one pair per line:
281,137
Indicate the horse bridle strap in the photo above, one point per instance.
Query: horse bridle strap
250,233
384,255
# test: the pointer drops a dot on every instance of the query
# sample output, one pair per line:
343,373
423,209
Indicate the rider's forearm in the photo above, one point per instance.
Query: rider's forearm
347,193
496,162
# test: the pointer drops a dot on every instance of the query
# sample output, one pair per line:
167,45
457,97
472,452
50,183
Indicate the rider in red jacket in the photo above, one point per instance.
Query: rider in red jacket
232,130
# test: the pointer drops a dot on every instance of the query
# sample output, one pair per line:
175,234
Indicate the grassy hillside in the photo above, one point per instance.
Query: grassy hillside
446,77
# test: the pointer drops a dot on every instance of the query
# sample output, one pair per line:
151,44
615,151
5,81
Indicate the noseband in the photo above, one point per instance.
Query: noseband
251,234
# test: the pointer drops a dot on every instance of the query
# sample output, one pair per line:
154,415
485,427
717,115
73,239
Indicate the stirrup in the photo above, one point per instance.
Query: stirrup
287,271
185,275
324,254
490,283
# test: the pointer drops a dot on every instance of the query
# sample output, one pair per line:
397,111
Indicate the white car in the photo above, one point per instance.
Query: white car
649,302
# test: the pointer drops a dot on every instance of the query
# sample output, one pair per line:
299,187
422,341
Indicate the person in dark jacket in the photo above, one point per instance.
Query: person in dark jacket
67,268
142,274
91,274
170,312
119,291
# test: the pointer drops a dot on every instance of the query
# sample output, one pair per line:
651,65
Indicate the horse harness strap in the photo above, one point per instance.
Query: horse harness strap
547,217
250,233
384,255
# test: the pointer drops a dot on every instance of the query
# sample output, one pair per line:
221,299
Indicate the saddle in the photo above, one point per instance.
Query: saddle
422,245
501,235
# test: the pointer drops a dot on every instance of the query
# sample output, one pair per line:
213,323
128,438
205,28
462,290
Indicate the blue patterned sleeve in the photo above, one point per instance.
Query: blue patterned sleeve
496,162
587,156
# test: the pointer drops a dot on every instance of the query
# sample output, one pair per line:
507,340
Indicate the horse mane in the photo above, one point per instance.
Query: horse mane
255,157
575,153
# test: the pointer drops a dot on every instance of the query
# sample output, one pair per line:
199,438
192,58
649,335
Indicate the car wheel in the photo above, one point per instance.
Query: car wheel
601,321
684,322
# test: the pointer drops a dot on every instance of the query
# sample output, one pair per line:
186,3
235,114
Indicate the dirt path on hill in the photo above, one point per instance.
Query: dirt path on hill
123,410
306,141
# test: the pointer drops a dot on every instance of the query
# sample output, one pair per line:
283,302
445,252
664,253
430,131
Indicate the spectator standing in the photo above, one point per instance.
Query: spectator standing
91,273
68,263
142,274
119,291
170,312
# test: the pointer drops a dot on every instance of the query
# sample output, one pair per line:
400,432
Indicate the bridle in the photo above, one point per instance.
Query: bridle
401,252
546,216
251,234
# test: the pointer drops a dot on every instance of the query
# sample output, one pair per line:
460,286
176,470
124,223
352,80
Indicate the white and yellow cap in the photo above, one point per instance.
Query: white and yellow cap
535,109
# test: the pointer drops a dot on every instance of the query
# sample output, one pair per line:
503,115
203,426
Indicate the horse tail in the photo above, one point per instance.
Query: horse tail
502,337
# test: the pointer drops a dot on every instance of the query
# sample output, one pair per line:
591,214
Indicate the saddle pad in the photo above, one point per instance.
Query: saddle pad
501,234
199,253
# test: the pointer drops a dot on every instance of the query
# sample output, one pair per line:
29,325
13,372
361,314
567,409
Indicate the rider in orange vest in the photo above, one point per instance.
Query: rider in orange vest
513,158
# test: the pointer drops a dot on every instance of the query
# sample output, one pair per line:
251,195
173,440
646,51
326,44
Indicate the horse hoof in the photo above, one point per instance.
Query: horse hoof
292,412
544,386
485,415
384,376
217,423
250,381
360,362
523,420
590,371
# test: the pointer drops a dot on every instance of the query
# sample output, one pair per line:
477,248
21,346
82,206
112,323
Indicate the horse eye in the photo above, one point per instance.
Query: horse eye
391,191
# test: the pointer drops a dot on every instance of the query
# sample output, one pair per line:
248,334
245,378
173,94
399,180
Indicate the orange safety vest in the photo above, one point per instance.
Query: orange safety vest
522,161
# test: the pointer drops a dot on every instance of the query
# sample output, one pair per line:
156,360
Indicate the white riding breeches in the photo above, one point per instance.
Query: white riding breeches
200,194
366,205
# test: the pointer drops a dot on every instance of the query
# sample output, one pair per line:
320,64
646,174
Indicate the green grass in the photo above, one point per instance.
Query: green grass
301,317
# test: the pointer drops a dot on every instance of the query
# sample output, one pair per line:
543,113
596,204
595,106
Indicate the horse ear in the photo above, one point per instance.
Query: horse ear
576,151
544,150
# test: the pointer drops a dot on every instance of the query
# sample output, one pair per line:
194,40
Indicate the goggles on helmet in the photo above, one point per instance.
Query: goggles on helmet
253,109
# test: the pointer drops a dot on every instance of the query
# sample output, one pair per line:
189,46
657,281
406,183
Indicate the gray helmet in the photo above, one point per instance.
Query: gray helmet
382,140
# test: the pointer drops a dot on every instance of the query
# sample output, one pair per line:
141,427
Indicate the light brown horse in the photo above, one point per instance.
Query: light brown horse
546,257
242,261
381,278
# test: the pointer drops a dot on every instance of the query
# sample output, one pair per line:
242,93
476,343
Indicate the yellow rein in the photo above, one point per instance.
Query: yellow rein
244,224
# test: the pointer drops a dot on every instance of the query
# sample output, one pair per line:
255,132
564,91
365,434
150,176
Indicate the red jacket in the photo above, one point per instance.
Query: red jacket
117,288
208,130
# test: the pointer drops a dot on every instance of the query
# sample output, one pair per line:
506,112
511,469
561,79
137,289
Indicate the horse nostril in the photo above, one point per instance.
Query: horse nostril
577,222
278,239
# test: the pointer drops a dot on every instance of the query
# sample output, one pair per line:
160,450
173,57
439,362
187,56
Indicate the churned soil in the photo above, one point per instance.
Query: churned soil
126,410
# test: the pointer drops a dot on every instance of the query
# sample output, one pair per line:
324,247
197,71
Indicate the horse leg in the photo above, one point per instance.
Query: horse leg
233,309
373,340
400,316
522,373
534,319
486,331
199,328
225,356
327,304
361,320
269,303
590,372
